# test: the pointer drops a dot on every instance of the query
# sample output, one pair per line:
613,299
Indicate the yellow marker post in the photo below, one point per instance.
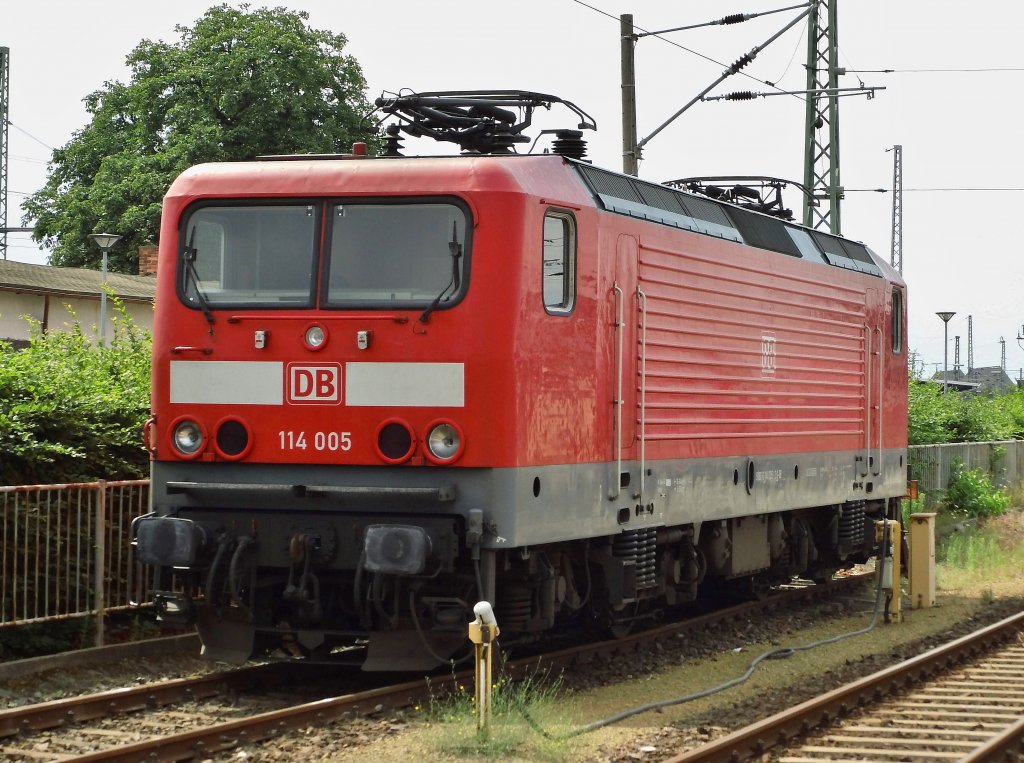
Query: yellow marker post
922,560
483,632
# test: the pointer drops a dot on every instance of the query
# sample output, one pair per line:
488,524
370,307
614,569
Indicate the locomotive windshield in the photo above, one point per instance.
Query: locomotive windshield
401,254
395,254
250,255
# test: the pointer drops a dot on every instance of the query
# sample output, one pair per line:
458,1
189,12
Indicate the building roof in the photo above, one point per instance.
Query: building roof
46,279
991,378
987,379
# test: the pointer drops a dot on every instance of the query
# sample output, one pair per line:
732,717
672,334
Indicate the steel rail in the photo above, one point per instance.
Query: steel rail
780,729
1000,747
55,713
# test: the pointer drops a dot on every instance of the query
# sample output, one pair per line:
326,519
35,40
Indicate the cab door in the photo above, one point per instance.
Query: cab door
625,320
874,369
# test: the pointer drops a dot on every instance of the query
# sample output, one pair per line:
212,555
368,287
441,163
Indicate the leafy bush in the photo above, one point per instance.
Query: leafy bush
931,414
36,639
970,492
935,417
71,411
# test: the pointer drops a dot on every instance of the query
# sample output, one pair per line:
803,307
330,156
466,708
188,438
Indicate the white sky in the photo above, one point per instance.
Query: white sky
958,130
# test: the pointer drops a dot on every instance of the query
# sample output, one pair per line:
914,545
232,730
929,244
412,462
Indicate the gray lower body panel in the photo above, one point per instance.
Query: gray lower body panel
530,506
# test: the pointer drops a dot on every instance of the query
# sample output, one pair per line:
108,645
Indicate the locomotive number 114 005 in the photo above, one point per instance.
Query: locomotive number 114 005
291,440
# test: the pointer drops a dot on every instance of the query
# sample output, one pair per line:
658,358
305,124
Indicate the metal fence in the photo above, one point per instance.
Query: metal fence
931,464
65,552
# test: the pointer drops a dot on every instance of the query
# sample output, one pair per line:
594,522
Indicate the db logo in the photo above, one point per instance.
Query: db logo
768,354
319,384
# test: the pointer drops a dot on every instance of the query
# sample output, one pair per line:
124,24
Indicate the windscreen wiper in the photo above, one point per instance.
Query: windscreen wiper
455,250
189,257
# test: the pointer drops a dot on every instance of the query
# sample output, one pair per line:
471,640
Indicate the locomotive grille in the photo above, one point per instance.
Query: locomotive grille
654,195
845,254
764,232
706,210
856,251
614,185
662,198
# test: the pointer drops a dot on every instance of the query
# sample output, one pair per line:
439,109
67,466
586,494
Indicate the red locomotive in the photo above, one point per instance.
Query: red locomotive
387,388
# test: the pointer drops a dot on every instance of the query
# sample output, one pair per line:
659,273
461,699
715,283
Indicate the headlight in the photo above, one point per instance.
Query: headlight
315,337
187,437
444,442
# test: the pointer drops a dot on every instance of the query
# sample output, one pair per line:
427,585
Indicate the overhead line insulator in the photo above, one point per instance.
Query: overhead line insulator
742,61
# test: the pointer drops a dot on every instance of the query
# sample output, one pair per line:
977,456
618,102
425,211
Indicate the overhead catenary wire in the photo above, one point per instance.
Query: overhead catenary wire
691,51
971,70
733,69
935,190
33,137
734,18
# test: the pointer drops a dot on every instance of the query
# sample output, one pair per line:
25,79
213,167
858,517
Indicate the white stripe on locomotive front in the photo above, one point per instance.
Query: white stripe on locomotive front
227,382
407,385
398,385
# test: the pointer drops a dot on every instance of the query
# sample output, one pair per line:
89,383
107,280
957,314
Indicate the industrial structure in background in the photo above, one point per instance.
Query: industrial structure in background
988,380
5,88
970,342
821,128
821,187
897,209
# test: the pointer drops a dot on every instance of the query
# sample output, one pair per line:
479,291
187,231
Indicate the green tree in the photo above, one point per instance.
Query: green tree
933,415
962,417
237,84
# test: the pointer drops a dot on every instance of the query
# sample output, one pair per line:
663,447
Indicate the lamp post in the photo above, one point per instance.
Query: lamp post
104,241
945,349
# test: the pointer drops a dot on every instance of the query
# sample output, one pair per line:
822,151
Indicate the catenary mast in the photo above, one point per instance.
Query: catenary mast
5,76
897,209
821,136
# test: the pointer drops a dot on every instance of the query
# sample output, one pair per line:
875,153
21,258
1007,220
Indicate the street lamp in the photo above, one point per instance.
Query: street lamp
104,241
945,349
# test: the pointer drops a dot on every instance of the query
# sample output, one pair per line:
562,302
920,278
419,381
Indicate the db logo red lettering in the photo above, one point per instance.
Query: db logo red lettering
317,385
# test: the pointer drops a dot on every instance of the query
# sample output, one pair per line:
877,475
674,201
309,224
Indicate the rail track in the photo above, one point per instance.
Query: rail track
963,701
195,717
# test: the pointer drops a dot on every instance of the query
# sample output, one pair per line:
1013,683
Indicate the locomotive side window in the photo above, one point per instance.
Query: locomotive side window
396,254
559,267
897,321
248,255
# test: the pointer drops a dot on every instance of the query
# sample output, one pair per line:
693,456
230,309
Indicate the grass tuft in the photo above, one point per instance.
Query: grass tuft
511,737
972,557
